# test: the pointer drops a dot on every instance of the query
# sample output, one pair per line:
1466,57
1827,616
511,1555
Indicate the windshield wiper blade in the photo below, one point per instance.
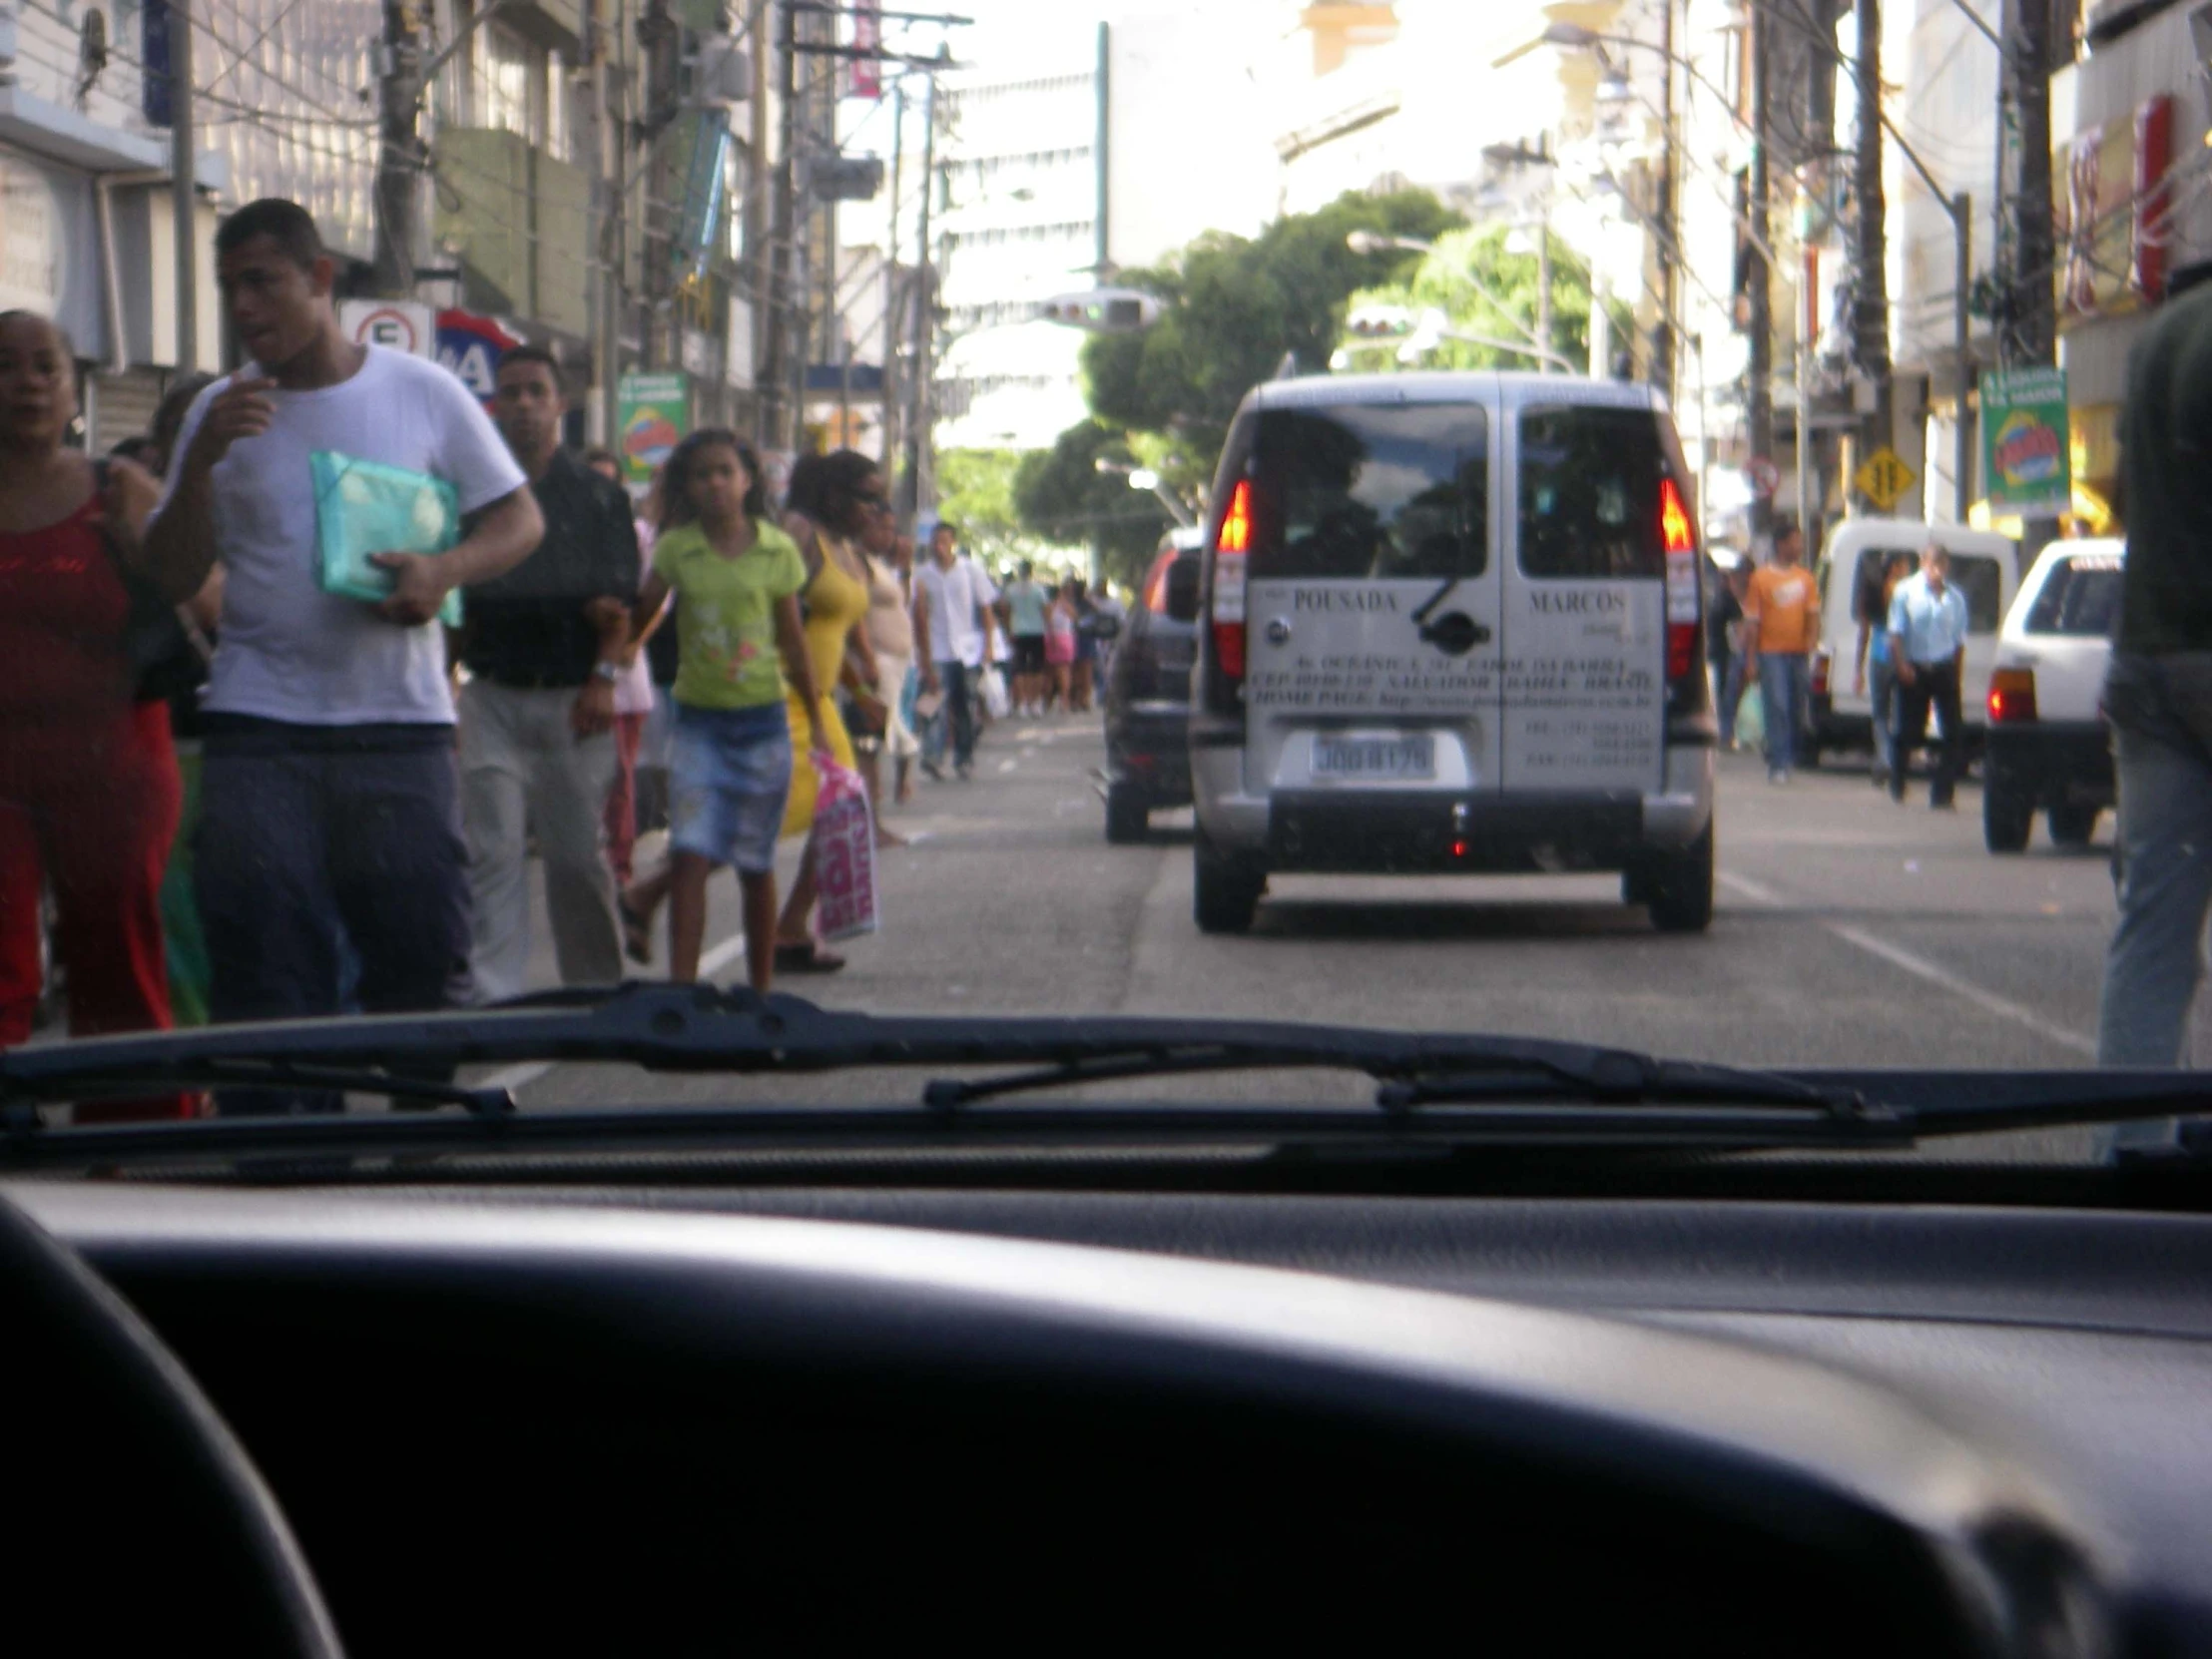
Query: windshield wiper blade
1448,1085
698,1028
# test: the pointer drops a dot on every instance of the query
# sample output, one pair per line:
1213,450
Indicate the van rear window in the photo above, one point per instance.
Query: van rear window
1367,491
1980,579
1589,492
2080,598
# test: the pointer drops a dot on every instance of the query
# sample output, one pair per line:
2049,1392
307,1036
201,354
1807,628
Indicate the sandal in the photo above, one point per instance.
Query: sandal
637,935
808,957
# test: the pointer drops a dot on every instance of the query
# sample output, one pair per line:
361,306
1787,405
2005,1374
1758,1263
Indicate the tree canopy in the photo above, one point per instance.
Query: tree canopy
1235,306
1062,497
975,490
1452,280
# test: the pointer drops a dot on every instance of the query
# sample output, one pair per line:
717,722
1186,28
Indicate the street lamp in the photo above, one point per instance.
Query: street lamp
1145,478
1370,242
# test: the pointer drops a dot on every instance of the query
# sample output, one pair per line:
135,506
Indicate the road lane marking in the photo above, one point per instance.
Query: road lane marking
522,1076
1006,766
1990,1003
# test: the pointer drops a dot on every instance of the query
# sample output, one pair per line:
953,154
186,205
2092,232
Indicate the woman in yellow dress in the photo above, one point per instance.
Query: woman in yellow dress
830,507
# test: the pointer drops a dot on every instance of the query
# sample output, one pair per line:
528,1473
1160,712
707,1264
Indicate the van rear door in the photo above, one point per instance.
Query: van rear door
1372,594
1596,502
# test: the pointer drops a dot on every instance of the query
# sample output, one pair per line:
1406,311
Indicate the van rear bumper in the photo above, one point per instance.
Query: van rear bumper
1430,831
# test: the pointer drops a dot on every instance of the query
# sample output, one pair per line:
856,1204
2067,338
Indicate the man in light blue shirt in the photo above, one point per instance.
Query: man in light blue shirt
1927,642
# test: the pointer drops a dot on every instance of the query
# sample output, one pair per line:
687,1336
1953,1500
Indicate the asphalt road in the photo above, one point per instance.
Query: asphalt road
1850,931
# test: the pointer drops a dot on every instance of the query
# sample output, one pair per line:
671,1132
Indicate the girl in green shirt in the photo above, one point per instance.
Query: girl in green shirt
737,579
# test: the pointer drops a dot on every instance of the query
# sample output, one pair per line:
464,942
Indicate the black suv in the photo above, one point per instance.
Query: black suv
1148,695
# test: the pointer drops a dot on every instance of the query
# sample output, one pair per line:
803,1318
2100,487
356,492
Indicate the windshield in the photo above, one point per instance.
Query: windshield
1236,511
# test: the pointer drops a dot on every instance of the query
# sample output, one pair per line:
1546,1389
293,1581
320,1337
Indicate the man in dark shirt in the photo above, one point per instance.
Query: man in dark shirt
2159,693
544,645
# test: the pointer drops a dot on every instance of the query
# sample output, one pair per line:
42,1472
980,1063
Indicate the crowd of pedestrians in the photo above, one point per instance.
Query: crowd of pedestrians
249,796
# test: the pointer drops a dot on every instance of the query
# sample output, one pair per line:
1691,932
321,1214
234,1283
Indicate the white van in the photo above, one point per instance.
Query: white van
1985,566
1452,622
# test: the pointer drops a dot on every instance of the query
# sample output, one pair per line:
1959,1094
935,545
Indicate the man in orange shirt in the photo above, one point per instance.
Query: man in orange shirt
1782,613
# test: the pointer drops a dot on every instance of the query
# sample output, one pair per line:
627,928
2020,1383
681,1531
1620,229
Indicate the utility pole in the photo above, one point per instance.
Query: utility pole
1870,288
605,275
775,370
661,38
1759,373
1543,285
399,161
2027,324
893,436
183,168
1662,333
925,306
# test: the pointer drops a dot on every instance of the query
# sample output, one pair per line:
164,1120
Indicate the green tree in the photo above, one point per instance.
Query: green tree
1451,279
1063,498
1235,306
975,490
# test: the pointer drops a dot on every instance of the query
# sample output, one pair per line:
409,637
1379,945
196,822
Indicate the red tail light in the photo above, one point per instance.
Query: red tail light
1679,536
1675,529
1231,546
2012,696
1156,585
1236,522
1820,673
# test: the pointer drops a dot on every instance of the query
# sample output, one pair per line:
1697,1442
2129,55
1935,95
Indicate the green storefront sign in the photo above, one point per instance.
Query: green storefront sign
2024,442
653,414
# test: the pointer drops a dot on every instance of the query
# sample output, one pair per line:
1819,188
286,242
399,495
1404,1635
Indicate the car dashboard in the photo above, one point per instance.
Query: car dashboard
646,1419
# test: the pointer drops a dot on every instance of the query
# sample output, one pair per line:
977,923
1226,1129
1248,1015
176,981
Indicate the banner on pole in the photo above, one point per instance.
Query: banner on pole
2024,442
652,415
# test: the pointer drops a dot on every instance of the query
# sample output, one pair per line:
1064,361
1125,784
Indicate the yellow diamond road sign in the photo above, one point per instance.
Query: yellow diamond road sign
1884,478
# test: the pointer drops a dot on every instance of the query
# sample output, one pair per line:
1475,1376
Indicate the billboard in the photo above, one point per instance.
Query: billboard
652,415
2025,452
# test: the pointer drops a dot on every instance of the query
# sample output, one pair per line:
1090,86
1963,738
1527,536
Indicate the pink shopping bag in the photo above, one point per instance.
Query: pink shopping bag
844,853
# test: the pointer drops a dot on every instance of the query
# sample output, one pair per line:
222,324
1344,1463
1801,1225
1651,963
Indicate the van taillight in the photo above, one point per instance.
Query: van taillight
1821,662
1231,547
2012,696
1679,537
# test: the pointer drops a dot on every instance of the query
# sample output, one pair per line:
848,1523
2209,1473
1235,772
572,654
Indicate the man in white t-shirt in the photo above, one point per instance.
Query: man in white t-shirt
330,798
952,603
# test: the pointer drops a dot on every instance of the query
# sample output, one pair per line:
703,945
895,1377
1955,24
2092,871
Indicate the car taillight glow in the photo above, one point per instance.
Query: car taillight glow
1156,585
2012,696
1231,547
1821,664
1236,521
1679,537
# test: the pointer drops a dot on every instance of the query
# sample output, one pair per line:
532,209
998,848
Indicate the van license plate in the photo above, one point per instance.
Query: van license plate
1358,758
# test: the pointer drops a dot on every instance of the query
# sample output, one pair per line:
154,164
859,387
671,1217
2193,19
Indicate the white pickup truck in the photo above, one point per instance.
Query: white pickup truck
2048,746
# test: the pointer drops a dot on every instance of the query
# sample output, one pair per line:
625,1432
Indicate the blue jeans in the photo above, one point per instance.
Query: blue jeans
2161,709
1785,683
323,858
955,720
1881,688
1729,688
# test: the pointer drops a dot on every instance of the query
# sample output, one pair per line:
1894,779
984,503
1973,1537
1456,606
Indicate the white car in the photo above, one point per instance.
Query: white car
1985,566
2048,749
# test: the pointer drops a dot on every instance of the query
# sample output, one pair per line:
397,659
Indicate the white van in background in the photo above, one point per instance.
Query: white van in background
1985,566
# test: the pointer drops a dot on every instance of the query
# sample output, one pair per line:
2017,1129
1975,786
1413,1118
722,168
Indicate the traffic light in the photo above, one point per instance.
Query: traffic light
1103,310
1372,323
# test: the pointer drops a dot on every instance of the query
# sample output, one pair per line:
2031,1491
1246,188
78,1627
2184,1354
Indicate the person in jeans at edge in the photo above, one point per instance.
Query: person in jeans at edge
1782,613
954,600
2158,696
329,796
545,646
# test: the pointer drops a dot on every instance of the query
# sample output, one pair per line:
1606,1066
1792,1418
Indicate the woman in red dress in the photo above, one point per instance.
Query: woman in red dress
89,791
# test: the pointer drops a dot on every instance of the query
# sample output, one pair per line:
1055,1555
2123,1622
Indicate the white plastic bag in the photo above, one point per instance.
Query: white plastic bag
995,701
845,854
